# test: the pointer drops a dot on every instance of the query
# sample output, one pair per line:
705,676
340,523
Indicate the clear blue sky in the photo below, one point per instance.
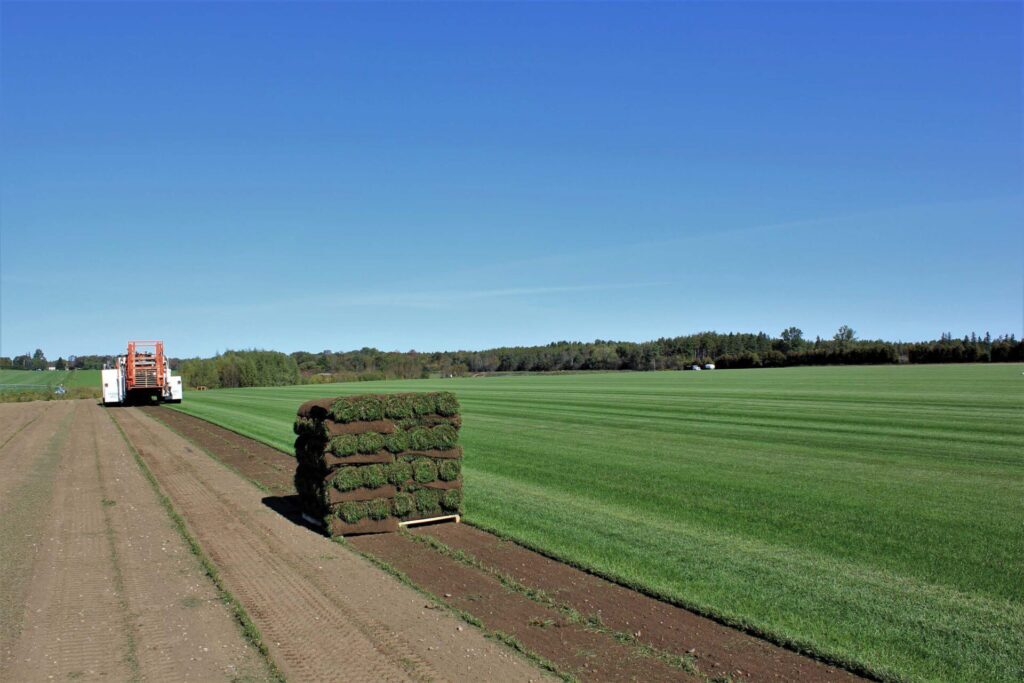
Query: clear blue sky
316,175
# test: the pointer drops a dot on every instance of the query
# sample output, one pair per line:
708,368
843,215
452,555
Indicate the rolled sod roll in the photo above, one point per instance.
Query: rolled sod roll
316,409
451,454
333,496
337,527
439,485
313,454
325,429
357,428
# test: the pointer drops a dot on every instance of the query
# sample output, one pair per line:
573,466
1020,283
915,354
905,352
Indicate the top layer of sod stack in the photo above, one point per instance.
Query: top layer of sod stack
374,407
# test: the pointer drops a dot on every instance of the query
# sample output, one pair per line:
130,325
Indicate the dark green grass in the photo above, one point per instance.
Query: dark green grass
874,516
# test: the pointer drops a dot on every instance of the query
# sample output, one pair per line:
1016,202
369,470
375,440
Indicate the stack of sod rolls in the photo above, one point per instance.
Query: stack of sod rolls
367,462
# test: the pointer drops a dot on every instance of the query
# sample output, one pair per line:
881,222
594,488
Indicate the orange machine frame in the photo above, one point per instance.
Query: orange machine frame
144,365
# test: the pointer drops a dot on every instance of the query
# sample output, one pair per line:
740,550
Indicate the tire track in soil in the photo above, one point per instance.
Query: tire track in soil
73,623
181,628
17,417
26,491
25,446
293,610
104,559
350,618
252,460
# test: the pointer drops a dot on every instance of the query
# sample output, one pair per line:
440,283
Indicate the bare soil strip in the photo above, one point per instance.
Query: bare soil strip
110,590
585,625
16,417
268,466
575,648
324,612
718,650
26,444
27,476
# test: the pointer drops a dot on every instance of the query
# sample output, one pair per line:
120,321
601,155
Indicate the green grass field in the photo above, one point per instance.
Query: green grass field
27,379
873,515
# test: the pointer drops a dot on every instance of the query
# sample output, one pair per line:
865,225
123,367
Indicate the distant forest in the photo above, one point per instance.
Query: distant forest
734,350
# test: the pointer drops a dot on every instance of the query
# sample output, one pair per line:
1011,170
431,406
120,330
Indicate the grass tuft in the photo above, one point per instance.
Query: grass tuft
370,442
345,444
374,476
351,511
347,478
402,504
424,470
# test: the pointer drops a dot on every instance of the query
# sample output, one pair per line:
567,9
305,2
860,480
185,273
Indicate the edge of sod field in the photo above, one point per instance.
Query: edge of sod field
213,457
792,644
589,621
797,645
509,641
246,626
231,428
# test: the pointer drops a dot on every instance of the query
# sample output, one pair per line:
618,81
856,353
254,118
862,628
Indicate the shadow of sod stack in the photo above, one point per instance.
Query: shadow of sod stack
365,463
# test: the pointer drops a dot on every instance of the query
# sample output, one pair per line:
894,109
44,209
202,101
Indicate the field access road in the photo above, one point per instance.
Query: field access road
325,613
95,581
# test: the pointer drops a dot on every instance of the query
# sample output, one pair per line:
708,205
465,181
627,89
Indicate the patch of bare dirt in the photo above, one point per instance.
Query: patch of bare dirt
17,416
585,652
28,463
718,650
252,459
108,587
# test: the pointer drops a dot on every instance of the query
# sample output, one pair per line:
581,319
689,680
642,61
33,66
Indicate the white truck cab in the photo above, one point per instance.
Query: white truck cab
112,386
175,386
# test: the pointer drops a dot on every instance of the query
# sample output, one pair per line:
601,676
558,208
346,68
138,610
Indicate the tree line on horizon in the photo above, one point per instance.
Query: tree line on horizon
733,350
248,368
32,361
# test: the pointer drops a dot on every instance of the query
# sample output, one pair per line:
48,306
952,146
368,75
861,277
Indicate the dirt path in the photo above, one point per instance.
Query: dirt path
592,628
717,651
575,645
325,613
27,436
97,583
17,416
253,460
28,461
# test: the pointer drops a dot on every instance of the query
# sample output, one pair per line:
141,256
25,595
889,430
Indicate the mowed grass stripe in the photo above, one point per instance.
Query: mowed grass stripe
783,411
788,588
755,481
810,427
873,515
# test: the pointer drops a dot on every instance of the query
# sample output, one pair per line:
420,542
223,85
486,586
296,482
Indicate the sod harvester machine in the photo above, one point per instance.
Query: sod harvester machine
143,375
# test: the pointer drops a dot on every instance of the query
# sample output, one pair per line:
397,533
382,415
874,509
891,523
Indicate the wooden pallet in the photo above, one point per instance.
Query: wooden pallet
412,522
431,520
